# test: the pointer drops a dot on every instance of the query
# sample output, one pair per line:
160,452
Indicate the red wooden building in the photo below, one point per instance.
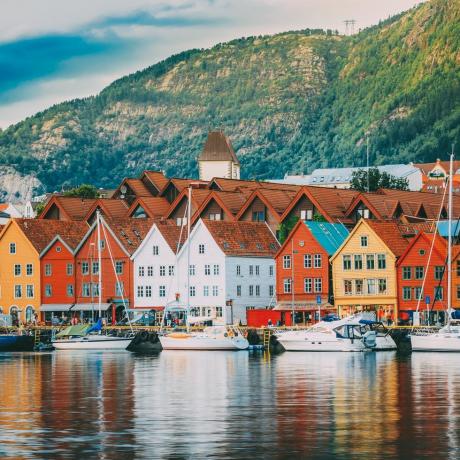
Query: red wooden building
303,273
412,267
119,239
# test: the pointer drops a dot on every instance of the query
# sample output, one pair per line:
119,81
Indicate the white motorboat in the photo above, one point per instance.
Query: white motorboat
343,335
212,338
92,342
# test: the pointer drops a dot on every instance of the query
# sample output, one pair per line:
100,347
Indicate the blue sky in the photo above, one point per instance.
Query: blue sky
55,50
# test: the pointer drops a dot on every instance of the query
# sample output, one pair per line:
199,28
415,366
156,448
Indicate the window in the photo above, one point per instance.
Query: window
370,261
382,286
84,268
238,270
251,290
406,293
364,241
271,290
215,291
271,270
29,269
307,261
201,249
371,286
140,291
422,252
407,273
318,285
258,216
438,293
17,270
95,268
119,288
48,270
419,271
257,270
346,262
286,262
70,290
85,290
317,261
192,291
155,250
216,269
12,248
358,262
347,287
141,270
191,270
119,267
150,270
219,312
162,270
162,291
148,291
58,249
30,291
287,283
418,293
206,291
359,287
438,272
171,270
102,244
381,261
48,290
257,290
95,287
238,290
207,269
69,269
308,285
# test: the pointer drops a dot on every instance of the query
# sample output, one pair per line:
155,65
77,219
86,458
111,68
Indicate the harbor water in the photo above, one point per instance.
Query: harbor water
229,405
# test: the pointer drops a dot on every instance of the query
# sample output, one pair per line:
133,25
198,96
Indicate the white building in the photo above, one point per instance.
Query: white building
156,280
218,158
231,269
341,177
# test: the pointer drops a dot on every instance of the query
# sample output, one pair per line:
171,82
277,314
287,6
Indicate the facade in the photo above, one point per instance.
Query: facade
303,272
231,269
364,269
421,276
218,158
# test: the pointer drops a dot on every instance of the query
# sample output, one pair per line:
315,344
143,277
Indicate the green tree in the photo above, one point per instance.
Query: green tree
374,179
83,191
286,227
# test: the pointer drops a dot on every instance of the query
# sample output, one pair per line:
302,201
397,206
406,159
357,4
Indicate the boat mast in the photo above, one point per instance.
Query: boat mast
189,215
449,247
99,257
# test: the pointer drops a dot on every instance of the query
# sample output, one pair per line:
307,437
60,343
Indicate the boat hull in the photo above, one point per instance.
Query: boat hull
11,342
83,343
435,342
321,345
202,343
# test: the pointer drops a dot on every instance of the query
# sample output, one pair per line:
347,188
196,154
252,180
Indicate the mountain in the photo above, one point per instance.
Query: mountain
289,102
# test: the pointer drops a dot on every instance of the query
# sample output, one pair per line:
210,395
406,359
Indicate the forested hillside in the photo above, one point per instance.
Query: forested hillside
289,103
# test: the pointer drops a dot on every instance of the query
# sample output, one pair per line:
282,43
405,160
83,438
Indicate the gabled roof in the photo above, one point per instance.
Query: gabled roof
136,185
112,208
218,148
230,202
174,234
70,208
427,167
154,206
156,178
391,234
129,232
232,185
243,239
41,232
181,184
440,245
198,196
329,236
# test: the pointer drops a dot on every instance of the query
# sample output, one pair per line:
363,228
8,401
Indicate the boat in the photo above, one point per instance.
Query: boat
16,342
447,339
347,334
212,337
87,337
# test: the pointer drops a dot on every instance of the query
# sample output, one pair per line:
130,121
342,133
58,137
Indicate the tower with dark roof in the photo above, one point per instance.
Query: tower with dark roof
218,159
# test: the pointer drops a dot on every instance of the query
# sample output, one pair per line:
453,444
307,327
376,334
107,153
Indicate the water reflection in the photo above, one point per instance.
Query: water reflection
229,405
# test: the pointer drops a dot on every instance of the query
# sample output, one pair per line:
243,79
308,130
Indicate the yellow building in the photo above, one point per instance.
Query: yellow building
364,269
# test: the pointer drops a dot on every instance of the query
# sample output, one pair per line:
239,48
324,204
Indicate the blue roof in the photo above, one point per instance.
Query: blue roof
329,236
443,228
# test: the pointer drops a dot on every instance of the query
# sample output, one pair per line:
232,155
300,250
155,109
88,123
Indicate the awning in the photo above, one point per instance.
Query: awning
90,307
302,306
56,307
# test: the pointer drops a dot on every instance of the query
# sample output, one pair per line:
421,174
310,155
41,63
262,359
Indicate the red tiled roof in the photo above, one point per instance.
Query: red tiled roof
182,184
113,208
172,233
41,232
427,167
391,234
73,208
138,187
231,185
130,232
154,206
251,239
157,178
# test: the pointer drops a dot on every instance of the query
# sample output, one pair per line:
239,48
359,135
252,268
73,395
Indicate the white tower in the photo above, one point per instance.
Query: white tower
218,158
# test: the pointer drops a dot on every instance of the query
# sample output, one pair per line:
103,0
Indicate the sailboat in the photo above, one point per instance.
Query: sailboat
226,337
87,337
448,337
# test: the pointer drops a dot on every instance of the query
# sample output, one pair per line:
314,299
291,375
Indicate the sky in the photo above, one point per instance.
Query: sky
56,50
